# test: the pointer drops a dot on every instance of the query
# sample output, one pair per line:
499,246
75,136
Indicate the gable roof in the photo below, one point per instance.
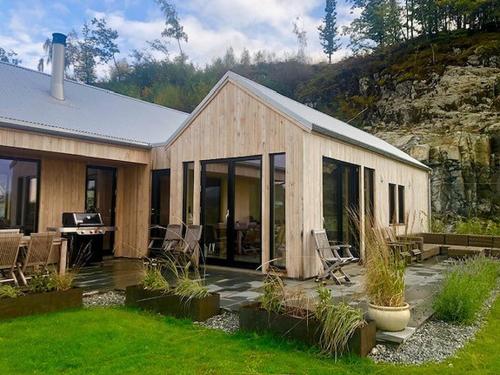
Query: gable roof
87,112
309,118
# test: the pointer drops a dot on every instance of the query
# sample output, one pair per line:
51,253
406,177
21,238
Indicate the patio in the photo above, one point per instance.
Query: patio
237,286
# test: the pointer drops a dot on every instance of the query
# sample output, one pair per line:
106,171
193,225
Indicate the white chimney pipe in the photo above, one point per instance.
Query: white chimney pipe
57,80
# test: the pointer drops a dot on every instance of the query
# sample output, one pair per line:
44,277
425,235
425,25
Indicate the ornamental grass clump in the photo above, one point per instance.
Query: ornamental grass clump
7,291
338,322
154,279
385,271
186,287
64,281
465,288
273,296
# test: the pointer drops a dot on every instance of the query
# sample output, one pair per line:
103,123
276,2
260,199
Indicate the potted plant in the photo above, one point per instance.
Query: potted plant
385,283
186,298
45,293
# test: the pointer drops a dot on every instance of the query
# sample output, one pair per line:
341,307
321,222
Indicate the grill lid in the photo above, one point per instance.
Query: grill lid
81,219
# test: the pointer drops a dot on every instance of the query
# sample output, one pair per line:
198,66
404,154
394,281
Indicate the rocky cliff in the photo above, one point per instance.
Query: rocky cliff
443,108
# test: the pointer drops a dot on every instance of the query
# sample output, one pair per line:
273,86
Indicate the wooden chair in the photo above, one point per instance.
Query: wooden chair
189,248
9,231
38,253
9,250
173,235
330,259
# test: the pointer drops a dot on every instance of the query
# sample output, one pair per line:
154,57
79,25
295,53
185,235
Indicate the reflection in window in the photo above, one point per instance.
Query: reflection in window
401,204
369,196
278,188
18,194
188,192
392,203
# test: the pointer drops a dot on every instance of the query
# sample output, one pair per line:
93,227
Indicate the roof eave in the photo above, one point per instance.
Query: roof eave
19,125
320,130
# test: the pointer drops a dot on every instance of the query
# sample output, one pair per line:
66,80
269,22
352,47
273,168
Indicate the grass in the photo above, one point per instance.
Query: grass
120,341
466,286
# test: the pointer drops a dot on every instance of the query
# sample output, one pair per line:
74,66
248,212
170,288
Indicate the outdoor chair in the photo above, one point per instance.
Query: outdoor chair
9,231
173,235
9,250
189,249
38,254
330,259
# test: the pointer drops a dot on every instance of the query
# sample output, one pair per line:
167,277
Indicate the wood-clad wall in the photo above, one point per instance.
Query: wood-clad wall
387,171
62,189
236,124
132,210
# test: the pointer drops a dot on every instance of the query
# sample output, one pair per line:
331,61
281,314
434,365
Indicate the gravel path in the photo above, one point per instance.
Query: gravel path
227,322
434,341
111,298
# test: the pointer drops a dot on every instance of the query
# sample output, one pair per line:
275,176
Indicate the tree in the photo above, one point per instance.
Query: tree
85,61
301,35
104,38
9,57
245,57
328,31
229,60
173,28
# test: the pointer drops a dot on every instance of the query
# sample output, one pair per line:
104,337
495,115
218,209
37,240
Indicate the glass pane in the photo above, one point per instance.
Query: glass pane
18,194
278,252
187,216
369,196
331,196
401,204
247,211
392,203
216,210
160,198
100,198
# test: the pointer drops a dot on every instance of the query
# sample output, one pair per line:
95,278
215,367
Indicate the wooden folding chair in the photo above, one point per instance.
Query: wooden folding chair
330,259
9,250
38,254
172,237
189,248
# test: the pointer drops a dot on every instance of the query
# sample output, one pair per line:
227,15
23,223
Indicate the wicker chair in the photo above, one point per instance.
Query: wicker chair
39,253
9,250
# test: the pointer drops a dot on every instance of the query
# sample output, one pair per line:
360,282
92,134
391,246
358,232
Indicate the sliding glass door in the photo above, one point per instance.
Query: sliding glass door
341,201
231,211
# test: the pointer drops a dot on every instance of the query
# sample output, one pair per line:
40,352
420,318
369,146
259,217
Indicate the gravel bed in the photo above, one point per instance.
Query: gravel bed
434,341
227,322
111,298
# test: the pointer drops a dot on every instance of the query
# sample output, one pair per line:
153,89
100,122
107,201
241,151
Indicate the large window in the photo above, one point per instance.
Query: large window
19,194
401,204
392,203
160,197
278,189
188,193
341,201
369,196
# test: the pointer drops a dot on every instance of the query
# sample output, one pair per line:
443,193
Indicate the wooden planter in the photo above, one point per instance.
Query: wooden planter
196,309
255,319
40,303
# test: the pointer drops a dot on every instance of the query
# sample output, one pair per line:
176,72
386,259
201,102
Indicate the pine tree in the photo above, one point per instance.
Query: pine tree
328,31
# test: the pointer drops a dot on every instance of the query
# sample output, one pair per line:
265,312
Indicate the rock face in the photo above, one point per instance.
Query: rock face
450,122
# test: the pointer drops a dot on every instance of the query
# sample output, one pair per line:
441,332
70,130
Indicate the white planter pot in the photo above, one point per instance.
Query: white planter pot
390,319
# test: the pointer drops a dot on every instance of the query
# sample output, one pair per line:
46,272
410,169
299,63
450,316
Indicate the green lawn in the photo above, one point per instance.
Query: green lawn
120,341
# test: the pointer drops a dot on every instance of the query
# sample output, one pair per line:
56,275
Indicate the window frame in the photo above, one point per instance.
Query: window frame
271,208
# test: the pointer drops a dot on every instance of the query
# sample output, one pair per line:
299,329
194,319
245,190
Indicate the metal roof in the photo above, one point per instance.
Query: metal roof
309,118
87,112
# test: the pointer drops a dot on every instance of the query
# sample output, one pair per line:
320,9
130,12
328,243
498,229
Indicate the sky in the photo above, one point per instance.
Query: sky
212,25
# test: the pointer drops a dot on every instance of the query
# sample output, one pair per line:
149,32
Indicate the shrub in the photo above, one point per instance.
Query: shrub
41,282
465,288
478,226
385,271
185,286
7,291
154,279
273,296
338,322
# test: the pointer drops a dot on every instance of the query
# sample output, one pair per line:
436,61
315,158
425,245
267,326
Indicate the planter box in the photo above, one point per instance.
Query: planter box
196,309
40,303
255,319
457,239
480,241
433,238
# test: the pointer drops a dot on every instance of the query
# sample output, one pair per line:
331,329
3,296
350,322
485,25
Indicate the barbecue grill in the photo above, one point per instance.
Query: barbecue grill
85,232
